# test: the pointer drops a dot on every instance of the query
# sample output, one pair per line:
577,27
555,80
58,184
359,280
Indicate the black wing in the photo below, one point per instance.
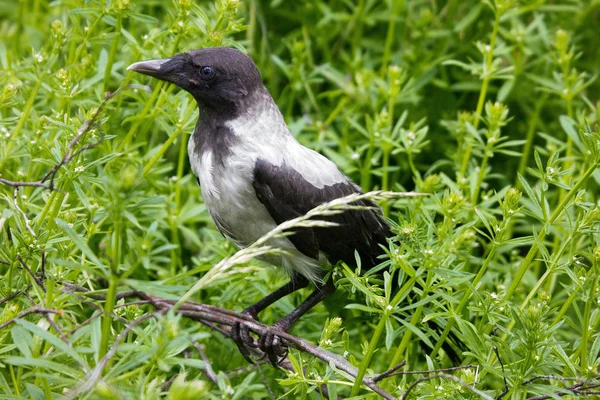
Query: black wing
287,195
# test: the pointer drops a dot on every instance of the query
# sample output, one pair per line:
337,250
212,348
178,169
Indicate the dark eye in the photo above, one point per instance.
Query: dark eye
207,73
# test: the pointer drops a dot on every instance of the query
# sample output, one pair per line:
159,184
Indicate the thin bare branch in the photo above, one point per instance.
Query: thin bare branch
34,310
70,154
12,296
208,370
212,314
38,280
482,394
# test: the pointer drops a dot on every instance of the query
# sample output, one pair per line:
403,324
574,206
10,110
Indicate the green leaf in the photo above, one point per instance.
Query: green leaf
82,246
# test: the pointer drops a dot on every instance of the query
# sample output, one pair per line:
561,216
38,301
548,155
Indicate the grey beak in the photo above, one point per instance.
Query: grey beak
149,67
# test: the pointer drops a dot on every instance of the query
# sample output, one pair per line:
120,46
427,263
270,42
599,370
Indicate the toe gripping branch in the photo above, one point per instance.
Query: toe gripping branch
269,344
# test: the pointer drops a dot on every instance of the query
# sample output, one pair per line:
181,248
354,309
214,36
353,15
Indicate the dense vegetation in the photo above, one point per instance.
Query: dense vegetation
491,107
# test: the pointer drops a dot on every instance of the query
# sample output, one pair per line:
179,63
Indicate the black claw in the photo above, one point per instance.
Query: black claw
245,336
241,336
273,347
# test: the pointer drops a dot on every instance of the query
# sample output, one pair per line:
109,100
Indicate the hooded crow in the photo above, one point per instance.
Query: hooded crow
254,175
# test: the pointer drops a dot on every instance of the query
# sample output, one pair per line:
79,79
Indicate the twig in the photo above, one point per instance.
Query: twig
16,184
389,372
16,199
33,310
208,371
563,379
205,313
4,262
483,395
12,296
430,371
578,389
506,389
37,280
70,153
264,379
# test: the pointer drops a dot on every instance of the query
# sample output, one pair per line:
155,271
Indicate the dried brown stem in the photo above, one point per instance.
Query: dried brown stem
216,315
208,370
12,296
70,153
33,310
37,279
483,395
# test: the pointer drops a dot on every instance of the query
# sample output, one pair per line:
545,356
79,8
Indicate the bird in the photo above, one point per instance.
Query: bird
254,175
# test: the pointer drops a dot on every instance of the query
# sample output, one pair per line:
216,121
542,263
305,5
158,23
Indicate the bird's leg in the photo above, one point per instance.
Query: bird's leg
240,332
271,344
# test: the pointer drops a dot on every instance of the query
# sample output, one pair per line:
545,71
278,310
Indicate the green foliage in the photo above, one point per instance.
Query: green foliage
490,107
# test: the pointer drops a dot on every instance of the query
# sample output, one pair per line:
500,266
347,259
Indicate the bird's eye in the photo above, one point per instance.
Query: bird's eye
207,73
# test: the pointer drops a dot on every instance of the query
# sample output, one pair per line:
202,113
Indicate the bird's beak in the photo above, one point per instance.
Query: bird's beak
150,67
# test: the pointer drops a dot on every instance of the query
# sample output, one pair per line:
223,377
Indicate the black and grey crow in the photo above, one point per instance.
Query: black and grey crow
254,175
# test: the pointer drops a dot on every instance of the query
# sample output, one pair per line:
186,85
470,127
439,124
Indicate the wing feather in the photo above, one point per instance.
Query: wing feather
286,195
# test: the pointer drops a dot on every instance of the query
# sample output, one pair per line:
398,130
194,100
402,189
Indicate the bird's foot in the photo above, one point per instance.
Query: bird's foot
273,346
240,333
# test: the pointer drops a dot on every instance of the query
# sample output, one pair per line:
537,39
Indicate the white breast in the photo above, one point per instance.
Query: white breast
227,185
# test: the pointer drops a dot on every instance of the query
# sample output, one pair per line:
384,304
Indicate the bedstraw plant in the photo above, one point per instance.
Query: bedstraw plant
489,109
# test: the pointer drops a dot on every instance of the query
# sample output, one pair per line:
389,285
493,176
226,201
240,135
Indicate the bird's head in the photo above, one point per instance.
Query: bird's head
219,78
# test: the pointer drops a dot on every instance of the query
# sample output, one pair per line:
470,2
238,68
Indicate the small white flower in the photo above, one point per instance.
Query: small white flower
180,24
411,135
389,307
377,134
355,156
38,57
145,37
80,168
346,353
328,342
494,296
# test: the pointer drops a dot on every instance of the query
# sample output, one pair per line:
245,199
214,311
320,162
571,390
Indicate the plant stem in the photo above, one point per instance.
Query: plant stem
109,306
362,369
389,39
533,120
414,321
465,298
481,174
586,323
112,53
543,232
161,151
387,311
482,94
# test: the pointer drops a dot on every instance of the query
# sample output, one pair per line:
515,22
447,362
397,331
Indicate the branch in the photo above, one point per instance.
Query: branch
483,395
70,153
207,314
12,296
33,310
